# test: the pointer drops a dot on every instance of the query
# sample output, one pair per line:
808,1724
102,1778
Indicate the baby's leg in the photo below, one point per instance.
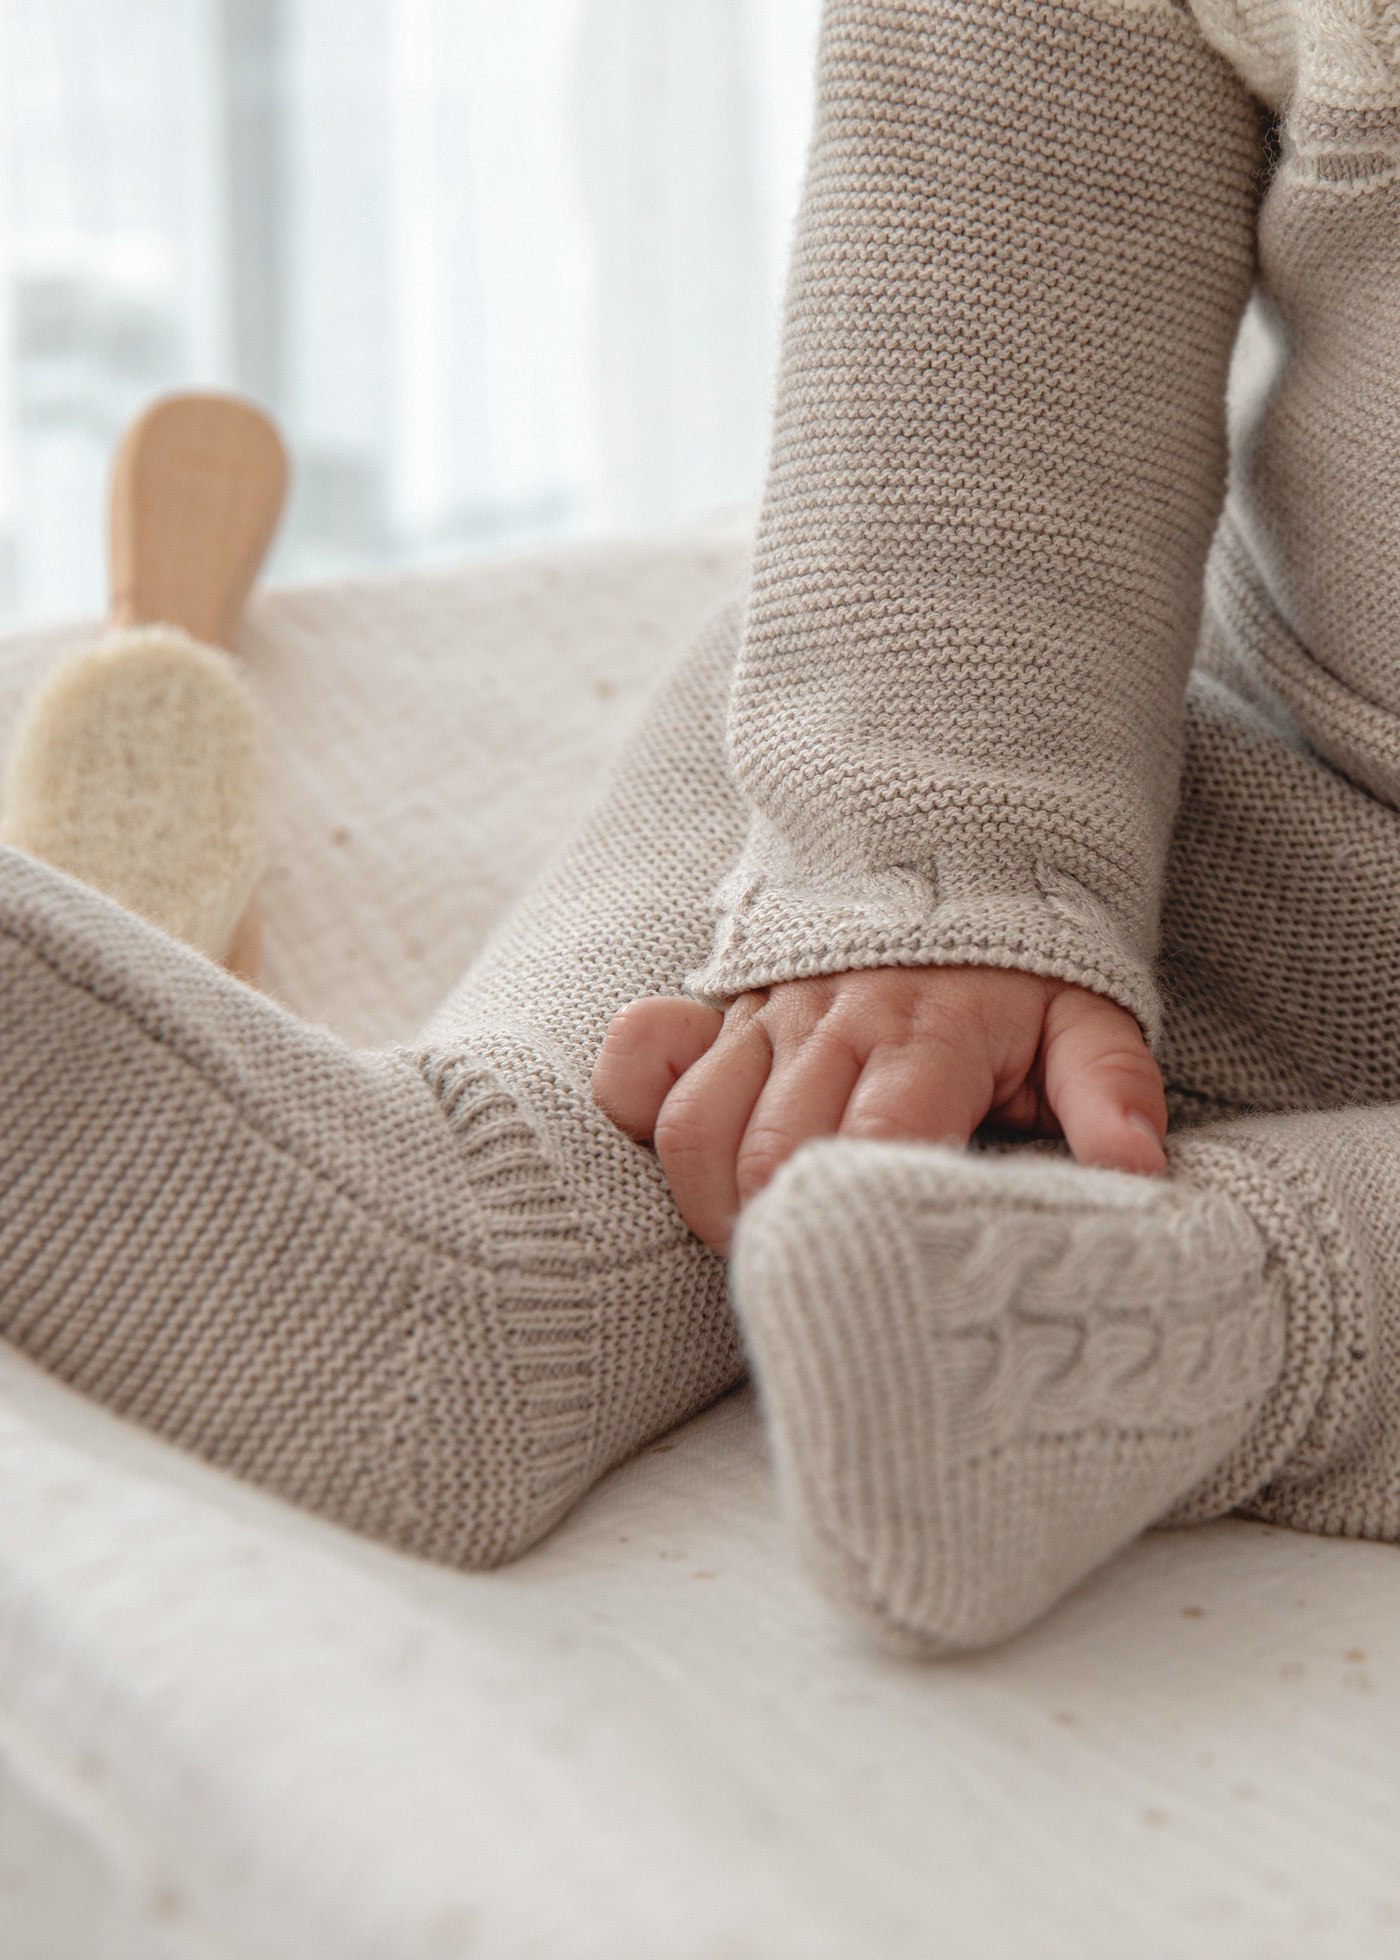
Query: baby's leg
428,1290
1281,925
985,1374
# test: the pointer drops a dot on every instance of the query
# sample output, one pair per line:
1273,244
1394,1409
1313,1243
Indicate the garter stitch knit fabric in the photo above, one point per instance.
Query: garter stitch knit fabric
965,725
998,455
431,1292
426,1290
1026,237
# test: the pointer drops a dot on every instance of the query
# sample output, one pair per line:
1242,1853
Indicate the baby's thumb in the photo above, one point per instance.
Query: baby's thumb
648,1047
1103,1085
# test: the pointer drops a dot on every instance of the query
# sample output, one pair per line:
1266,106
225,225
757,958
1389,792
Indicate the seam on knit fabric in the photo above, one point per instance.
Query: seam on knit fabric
1318,1436
550,1325
466,1088
1297,1405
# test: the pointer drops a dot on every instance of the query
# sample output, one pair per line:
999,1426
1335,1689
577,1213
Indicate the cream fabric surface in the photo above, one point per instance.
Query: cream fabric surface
229,1730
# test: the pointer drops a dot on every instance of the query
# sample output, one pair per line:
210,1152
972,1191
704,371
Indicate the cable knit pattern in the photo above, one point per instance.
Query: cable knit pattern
982,1376
1024,247
1338,54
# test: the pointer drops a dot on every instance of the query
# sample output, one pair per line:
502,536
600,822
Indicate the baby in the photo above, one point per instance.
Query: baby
1031,795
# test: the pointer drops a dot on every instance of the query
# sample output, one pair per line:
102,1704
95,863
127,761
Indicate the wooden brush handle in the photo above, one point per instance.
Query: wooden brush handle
197,488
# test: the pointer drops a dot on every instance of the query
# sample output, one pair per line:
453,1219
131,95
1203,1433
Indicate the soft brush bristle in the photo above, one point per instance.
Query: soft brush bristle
135,766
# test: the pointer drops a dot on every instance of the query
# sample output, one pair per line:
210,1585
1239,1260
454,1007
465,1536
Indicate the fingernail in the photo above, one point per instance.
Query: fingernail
1144,1123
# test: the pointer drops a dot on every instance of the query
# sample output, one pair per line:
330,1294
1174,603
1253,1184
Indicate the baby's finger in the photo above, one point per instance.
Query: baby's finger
923,1088
1103,1085
805,1096
701,1125
648,1046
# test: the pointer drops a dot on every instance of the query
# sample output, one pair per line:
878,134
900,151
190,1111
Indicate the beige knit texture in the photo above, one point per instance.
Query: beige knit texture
998,454
930,419
426,1289
1027,1361
1322,53
438,1294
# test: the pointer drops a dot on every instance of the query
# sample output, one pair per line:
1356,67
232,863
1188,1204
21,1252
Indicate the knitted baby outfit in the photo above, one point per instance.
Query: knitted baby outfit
432,1292
957,716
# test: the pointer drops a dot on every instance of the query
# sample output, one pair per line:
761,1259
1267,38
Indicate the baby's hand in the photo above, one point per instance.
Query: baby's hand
910,1052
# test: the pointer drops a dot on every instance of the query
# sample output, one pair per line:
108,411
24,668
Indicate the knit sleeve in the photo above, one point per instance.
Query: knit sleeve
1025,241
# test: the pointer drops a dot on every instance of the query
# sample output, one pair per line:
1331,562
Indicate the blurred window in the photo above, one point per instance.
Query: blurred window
503,272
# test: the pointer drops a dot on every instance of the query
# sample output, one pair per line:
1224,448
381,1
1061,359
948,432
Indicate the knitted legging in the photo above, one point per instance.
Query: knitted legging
429,1291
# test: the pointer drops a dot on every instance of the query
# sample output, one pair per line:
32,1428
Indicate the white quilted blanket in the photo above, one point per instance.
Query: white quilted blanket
228,1730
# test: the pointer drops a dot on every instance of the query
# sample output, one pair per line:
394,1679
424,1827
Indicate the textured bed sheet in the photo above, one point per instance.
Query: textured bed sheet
229,1730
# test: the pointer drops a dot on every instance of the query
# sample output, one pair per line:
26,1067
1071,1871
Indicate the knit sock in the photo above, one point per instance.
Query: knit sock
135,768
427,1290
985,1373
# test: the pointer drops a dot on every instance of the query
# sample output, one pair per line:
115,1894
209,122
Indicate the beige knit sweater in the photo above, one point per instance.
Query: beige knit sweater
431,1291
999,458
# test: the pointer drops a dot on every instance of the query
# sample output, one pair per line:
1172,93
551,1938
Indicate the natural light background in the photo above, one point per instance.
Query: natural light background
504,270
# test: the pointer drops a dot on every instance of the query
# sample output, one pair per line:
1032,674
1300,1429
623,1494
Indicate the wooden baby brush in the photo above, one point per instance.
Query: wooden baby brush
135,765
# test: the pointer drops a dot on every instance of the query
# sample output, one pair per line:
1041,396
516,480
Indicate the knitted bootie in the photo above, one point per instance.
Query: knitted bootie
985,1373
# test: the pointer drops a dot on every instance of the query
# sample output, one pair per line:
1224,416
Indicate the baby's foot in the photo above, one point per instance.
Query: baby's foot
985,1374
